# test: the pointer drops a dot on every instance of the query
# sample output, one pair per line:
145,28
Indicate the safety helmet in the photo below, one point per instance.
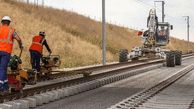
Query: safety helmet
6,18
42,33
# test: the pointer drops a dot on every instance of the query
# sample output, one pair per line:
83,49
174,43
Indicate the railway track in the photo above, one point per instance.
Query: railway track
44,88
86,71
90,70
164,95
94,70
75,86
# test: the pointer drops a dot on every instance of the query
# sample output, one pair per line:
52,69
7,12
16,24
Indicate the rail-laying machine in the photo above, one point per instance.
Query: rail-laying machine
153,39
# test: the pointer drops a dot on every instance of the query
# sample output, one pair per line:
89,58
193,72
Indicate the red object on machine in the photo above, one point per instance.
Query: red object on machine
13,82
12,79
139,33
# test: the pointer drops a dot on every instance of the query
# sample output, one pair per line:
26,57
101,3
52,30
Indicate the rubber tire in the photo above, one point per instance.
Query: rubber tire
170,59
178,58
123,53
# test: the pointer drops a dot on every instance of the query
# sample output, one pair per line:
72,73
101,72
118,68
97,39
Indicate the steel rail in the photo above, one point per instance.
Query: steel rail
62,84
76,81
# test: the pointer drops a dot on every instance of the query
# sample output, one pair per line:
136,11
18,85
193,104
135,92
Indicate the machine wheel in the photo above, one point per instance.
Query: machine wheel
123,53
170,59
32,79
23,82
178,57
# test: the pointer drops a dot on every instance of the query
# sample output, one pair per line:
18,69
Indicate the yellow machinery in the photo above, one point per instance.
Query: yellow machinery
17,76
48,64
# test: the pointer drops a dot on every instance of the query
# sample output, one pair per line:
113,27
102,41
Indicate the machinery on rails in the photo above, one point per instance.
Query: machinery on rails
18,77
153,39
48,63
104,78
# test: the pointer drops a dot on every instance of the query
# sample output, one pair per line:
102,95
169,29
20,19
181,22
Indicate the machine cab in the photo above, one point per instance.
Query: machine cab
162,35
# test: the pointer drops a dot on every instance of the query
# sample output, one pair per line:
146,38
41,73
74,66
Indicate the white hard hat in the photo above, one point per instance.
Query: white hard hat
6,18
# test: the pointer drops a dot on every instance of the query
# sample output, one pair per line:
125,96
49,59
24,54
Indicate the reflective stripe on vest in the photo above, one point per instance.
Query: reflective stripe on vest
6,39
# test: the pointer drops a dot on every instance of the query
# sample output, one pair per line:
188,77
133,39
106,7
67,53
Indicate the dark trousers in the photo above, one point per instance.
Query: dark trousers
35,60
4,60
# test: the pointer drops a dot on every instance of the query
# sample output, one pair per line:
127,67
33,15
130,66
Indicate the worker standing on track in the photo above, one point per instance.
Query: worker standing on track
7,36
36,49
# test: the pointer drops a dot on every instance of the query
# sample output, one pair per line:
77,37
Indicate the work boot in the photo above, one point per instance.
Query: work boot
1,89
6,86
4,91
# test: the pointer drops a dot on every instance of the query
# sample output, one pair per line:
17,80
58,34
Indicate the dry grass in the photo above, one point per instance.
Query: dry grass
73,50
83,27
76,38
177,44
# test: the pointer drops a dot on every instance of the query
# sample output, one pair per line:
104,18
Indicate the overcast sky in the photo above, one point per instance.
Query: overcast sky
133,13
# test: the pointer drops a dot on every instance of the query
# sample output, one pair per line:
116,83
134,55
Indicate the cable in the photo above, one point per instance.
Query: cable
141,3
148,5
145,3
160,11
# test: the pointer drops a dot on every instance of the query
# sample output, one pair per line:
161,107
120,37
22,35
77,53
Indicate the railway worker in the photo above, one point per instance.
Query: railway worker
7,36
36,49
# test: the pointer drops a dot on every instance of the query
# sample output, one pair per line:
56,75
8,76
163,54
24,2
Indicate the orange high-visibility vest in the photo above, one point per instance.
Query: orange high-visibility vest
6,39
37,44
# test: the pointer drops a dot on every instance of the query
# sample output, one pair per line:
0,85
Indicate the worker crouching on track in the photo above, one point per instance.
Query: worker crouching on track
36,49
7,36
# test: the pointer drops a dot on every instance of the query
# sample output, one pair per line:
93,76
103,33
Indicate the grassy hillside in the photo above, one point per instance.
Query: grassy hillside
76,38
